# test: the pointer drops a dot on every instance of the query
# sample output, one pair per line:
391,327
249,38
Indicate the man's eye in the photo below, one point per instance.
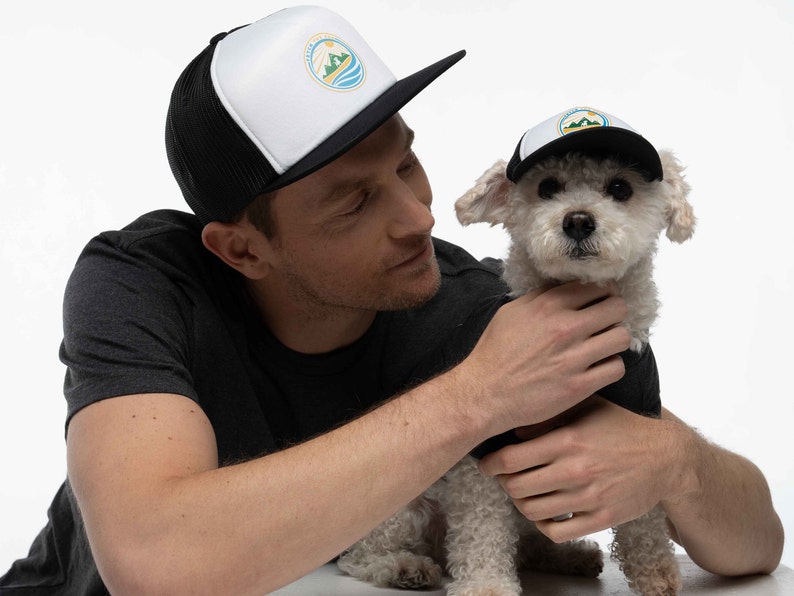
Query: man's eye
408,164
619,189
359,205
548,187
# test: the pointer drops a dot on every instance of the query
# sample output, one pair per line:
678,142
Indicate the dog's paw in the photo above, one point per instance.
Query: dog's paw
404,569
664,581
409,572
484,588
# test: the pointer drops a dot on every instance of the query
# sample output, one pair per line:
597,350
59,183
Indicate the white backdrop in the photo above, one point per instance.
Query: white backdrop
84,90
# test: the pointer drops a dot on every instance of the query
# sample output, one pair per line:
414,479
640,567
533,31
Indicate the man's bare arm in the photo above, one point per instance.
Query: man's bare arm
726,520
163,518
609,465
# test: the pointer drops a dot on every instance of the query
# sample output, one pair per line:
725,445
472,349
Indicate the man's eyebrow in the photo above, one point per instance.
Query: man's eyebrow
350,185
409,141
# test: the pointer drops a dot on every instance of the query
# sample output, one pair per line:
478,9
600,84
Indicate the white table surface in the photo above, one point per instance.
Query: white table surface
329,581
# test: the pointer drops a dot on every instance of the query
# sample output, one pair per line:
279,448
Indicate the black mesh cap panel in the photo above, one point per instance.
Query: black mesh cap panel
218,168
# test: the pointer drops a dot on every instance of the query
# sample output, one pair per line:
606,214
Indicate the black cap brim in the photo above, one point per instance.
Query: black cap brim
365,122
604,142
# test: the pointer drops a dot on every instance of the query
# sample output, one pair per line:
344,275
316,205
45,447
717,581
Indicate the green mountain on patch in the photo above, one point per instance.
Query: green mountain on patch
335,62
582,122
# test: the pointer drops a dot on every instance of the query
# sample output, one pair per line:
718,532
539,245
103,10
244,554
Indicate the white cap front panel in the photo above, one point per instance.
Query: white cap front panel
565,123
294,78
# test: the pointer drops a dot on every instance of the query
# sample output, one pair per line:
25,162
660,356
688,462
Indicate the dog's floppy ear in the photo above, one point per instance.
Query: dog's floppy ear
486,201
680,215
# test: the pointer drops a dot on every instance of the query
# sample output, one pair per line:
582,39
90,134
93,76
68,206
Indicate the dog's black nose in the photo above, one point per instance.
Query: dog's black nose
578,225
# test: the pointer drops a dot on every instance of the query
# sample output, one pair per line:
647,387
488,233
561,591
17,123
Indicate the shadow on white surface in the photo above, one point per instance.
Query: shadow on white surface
329,581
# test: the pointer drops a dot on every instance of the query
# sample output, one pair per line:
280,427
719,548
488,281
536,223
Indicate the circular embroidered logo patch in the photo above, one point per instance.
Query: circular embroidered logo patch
580,118
333,64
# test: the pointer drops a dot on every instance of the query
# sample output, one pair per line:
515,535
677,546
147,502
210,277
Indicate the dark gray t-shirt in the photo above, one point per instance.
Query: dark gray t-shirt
149,310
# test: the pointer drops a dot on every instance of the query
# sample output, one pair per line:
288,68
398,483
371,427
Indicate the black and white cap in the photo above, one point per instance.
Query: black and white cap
273,101
587,131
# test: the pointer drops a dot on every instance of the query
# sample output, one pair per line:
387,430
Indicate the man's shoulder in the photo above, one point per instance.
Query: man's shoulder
165,226
454,260
468,285
164,238
161,249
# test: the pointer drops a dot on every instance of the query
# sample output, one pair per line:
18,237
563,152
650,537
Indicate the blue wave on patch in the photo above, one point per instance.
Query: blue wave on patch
350,76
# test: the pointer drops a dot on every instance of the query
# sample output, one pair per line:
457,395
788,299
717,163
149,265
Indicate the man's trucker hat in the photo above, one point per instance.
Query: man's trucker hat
271,102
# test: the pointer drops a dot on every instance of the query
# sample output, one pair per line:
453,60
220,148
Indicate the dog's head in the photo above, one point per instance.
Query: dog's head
583,217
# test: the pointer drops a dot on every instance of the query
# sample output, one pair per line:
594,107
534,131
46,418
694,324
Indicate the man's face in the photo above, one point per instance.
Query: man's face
355,235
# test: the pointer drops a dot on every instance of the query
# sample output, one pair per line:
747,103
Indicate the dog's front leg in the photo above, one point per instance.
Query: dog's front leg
482,536
646,556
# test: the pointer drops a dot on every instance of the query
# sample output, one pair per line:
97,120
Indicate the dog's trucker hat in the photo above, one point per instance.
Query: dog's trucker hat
588,131
271,102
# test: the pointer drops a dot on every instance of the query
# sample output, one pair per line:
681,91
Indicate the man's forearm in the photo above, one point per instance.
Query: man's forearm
725,520
257,525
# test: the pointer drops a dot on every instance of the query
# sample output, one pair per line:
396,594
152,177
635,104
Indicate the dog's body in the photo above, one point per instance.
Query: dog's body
570,217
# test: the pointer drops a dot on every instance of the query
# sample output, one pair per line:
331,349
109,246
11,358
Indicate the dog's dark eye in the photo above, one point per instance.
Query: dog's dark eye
619,189
548,187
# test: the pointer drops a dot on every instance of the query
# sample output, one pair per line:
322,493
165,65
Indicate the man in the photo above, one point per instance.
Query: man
253,388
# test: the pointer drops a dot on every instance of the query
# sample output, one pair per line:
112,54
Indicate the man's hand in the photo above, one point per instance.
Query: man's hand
602,462
545,352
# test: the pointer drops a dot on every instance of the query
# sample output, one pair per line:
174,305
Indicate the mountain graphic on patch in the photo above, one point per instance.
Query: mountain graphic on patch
337,63
583,122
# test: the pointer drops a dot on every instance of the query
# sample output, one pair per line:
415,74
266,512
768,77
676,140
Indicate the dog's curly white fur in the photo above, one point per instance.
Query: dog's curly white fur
621,244
570,217
466,524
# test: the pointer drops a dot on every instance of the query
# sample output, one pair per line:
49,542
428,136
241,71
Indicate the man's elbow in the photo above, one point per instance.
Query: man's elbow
742,560
156,570
774,554
769,558
755,561
131,570
137,570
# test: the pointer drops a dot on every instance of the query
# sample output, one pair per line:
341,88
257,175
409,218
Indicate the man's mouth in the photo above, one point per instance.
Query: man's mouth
421,254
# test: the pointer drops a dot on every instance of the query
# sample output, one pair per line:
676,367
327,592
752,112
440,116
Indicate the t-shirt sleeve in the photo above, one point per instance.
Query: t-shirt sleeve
126,330
638,390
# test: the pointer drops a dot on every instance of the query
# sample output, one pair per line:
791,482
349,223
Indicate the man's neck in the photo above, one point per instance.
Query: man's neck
309,328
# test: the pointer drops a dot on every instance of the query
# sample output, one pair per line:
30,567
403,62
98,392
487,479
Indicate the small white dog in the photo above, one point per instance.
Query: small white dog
583,198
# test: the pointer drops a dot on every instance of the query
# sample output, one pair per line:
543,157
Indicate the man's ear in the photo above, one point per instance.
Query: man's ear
240,245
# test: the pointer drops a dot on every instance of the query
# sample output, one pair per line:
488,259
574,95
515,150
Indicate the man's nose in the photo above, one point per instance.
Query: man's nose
411,215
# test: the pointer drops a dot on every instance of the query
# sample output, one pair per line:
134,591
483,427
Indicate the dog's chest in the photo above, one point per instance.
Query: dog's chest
636,287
